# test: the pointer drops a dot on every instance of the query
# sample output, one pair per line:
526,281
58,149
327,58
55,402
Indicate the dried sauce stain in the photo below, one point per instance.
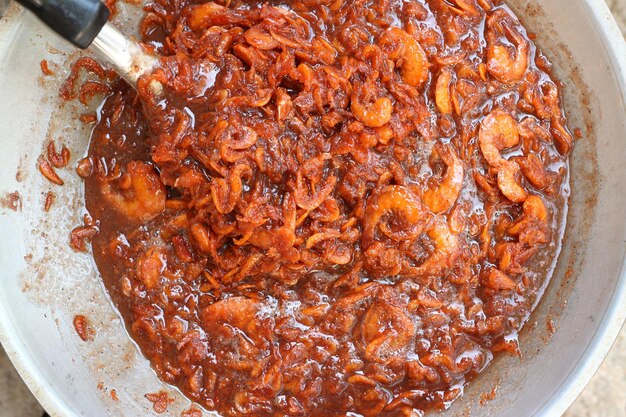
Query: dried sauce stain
84,329
160,401
329,208
12,201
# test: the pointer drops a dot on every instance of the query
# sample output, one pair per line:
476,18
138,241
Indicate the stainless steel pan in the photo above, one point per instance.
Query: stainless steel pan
43,283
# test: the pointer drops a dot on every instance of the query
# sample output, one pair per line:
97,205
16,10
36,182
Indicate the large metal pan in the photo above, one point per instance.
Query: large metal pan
43,284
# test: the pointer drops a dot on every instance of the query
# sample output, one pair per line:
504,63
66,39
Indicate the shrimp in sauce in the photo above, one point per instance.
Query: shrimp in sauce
329,207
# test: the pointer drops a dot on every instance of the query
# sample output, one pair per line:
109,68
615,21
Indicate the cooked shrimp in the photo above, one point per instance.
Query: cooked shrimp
235,311
562,138
498,280
507,63
535,208
212,14
398,199
446,250
486,5
545,100
309,193
408,55
149,267
138,194
260,39
465,7
442,91
387,330
497,131
532,227
534,171
226,193
531,130
508,174
441,198
376,114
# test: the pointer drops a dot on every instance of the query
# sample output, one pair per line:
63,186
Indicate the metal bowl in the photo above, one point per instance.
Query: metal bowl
44,283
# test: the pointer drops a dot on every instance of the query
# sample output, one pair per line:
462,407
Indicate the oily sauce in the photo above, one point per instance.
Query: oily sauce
323,208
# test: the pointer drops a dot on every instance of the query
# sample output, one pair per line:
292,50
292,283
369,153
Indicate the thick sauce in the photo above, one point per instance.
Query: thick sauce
357,214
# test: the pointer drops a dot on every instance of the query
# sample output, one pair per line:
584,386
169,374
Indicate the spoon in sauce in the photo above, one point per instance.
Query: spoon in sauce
85,24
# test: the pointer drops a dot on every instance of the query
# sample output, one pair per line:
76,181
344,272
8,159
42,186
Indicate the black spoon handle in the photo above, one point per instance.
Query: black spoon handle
78,21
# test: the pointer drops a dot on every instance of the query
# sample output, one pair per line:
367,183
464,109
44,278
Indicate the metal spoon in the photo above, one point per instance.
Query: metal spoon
85,24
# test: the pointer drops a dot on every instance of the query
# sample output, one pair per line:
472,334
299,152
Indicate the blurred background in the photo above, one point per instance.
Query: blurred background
604,397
